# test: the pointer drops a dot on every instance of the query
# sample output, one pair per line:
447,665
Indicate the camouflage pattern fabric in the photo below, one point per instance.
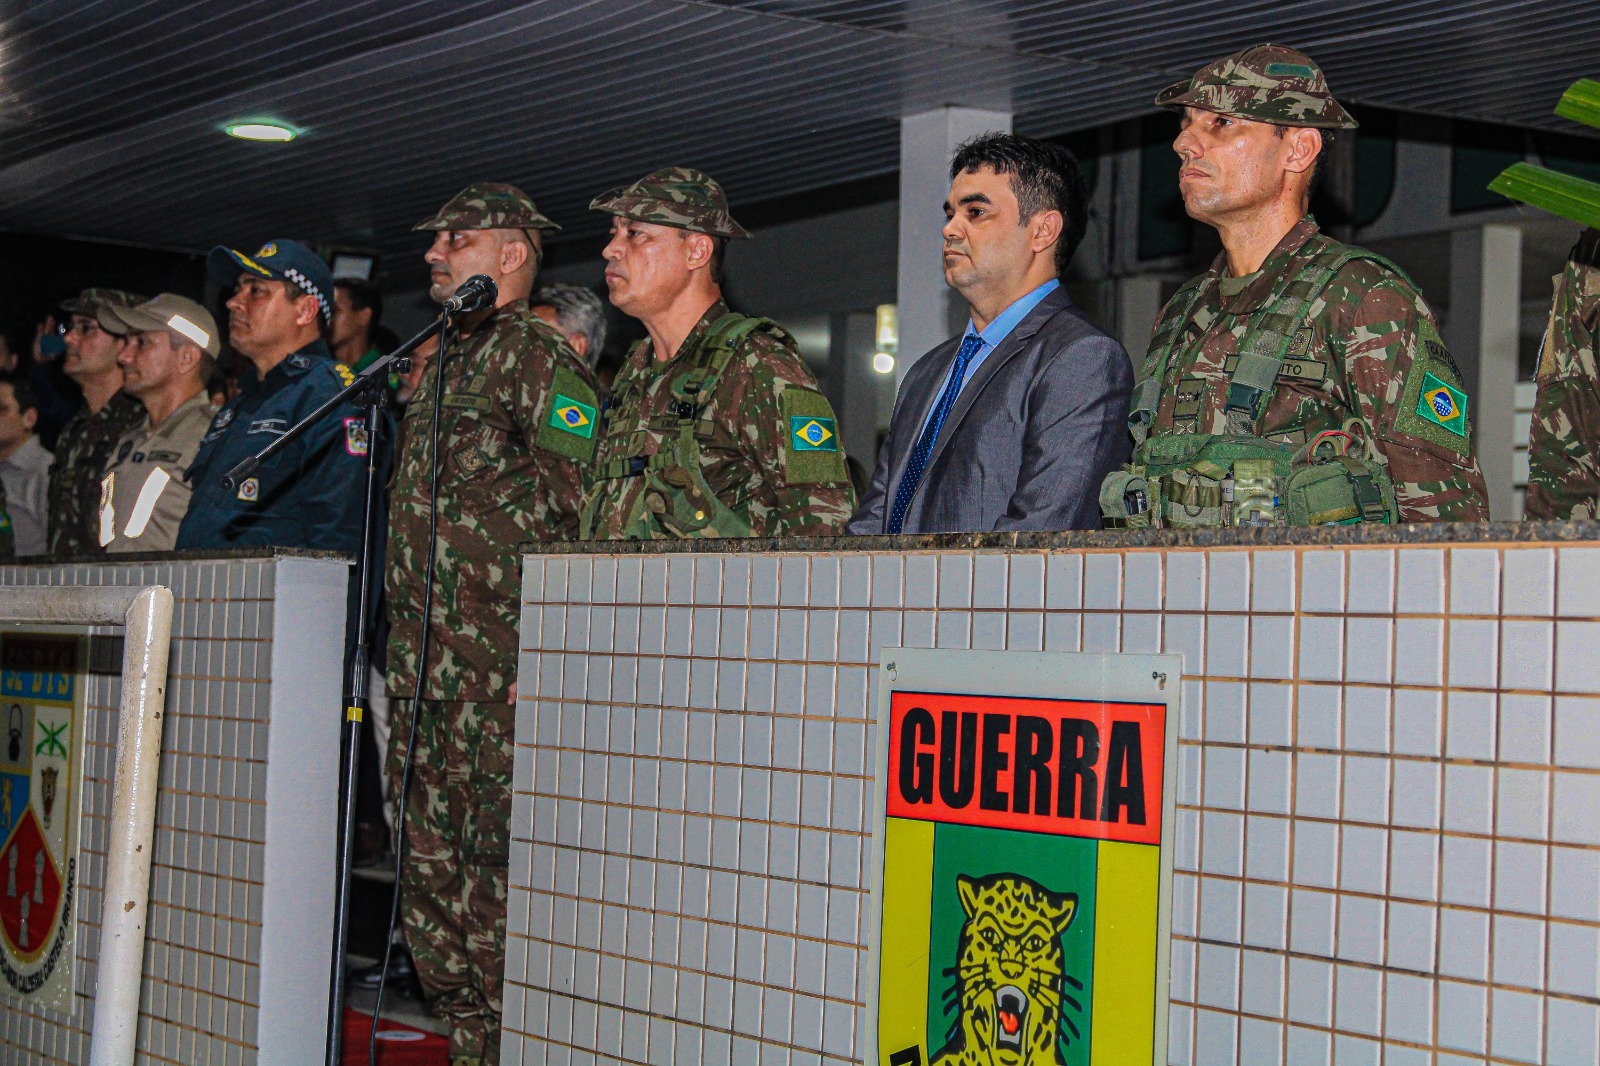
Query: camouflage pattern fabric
90,302
453,885
675,196
488,205
1267,83
766,480
1564,446
1365,350
515,440
83,450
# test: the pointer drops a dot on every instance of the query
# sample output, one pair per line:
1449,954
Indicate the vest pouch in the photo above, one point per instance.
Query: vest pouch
1126,501
1340,490
1255,493
1192,500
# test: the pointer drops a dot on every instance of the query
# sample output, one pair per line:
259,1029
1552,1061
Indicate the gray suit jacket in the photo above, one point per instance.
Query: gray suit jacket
1031,437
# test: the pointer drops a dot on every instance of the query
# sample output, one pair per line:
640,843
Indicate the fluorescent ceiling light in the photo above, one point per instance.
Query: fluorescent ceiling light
261,131
883,363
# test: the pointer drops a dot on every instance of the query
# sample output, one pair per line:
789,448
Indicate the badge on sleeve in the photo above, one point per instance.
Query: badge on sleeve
813,434
355,436
566,427
1443,405
249,489
811,454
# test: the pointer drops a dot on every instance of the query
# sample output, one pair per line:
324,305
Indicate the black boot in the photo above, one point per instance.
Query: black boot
402,974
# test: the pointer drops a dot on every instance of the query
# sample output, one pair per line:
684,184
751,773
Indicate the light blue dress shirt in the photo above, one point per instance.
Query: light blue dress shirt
991,337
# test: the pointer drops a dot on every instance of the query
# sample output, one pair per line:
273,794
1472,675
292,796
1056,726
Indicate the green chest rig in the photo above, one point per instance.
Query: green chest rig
676,501
1237,477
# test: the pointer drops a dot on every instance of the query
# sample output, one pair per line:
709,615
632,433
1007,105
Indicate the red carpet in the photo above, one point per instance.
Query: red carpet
398,1044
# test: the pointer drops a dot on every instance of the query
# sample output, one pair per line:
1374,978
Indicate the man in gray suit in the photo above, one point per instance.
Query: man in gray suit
1015,424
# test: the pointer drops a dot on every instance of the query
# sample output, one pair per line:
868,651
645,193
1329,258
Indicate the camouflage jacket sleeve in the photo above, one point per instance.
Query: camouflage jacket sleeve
1405,386
1564,440
810,479
551,382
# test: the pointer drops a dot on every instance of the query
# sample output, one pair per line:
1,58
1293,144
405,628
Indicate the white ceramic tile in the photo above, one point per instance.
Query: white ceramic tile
1228,581
1366,790
1573,1035
1528,581
1408,1007
1186,581
1310,997
1270,781
1319,716
1419,651
1464,944
1372,581
1272,646
1469,799
956,581
1359,994
1322,580
1470,729
1517,1022
1026,577
1369,645
1225,712
1577,664
1414,862
1064,581
1575,961
1416,794
1321,647
1577,723
1184,634
1578,582
1102,581
1420,587
1474,581
1272,582
1271,714
1267,848
1266,916
1525,723
1141,581
1466,869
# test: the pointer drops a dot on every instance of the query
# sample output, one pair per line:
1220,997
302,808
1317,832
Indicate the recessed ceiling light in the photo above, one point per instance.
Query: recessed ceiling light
261,131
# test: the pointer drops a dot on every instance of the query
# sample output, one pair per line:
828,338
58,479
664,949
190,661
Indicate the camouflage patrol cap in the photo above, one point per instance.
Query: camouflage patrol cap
488,205
1267,83
90,302
674,196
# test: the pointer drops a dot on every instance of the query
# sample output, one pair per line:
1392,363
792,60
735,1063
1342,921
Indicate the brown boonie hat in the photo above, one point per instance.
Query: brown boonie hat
1267,83
674,196
90,301
170,313
488,205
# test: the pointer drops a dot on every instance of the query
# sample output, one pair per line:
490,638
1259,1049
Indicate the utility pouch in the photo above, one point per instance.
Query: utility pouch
1255,493
1331,487
1126,500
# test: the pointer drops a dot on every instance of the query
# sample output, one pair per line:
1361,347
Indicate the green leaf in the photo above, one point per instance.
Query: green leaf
1581,103
1560,194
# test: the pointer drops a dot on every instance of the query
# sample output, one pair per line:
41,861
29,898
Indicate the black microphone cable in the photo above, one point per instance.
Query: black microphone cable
422,672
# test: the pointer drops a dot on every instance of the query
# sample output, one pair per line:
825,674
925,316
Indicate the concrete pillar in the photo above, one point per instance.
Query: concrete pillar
1138,304
1482,332
857,385
929,311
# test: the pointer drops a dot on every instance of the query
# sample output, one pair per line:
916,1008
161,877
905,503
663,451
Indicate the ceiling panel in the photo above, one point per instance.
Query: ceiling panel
110,111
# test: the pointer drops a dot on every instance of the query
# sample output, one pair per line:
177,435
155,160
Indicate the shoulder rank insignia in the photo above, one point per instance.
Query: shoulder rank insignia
1443,405
299,362
343,373
809,434
572,416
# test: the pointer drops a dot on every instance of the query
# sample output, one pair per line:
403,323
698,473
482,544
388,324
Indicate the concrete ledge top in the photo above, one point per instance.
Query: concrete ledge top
192,556
1263,537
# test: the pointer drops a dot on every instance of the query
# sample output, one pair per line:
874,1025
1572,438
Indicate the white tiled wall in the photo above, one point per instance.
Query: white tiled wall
1389,794
202,997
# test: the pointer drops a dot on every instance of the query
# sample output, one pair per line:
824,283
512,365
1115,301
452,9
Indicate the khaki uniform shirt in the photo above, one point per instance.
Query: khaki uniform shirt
144,496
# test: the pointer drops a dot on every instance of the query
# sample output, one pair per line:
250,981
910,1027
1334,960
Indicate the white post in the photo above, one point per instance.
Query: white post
1138,304
927,141
147,615
127,892
1483,333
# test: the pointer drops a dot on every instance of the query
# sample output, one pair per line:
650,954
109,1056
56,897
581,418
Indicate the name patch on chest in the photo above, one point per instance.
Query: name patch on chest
1293,368
276,426
481,404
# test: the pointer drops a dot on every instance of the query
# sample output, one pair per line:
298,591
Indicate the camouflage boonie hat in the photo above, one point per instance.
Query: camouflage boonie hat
89,303
675,196
488,205
1267,83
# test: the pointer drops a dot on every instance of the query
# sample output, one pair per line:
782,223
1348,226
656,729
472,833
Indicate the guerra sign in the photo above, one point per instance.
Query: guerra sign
1023,858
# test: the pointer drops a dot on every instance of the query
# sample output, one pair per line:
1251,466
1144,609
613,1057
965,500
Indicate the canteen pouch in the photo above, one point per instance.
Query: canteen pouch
1340,490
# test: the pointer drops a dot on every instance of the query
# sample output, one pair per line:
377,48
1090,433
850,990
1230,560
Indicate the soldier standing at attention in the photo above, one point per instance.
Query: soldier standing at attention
1564,448
1299,381
516,433
715,427
94,340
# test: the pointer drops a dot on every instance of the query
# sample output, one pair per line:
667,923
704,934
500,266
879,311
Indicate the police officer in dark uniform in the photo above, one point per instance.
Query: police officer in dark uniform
311,494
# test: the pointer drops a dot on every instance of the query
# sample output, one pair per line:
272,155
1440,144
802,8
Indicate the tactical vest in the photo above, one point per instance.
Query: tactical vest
1238,477
676,501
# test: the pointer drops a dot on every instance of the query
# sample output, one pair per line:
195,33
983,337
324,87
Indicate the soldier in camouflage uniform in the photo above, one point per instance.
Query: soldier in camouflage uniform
715,427
1564,447
1299,380
94,340
515,436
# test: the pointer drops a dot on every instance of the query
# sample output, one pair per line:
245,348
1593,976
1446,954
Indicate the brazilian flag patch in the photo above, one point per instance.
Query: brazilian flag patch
572,416
808,434
1443,405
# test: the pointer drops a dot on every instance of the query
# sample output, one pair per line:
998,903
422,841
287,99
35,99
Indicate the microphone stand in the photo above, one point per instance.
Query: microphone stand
371,388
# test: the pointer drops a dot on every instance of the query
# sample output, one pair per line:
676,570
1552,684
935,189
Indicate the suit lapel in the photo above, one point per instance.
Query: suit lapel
1015,341
942,356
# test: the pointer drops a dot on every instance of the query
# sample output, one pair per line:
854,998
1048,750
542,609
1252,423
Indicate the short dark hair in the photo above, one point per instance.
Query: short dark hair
1044,177
364,296
23,390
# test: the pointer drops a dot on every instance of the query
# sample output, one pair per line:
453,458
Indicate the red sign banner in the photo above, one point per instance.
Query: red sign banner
1067,767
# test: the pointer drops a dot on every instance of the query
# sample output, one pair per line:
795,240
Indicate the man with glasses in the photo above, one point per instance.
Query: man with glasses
94,341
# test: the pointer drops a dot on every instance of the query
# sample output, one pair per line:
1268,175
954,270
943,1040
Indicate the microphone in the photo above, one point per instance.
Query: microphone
474,294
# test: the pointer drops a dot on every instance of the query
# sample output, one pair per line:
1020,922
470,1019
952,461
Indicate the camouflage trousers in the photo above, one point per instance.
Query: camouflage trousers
453,888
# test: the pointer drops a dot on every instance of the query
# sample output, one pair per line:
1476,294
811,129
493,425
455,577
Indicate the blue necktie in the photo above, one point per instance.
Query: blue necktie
930,433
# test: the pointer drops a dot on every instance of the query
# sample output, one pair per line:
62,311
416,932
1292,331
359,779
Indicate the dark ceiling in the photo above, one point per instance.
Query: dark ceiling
110,110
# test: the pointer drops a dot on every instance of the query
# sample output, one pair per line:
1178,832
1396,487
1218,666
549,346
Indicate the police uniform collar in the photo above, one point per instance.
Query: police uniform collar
1255,295
298,363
